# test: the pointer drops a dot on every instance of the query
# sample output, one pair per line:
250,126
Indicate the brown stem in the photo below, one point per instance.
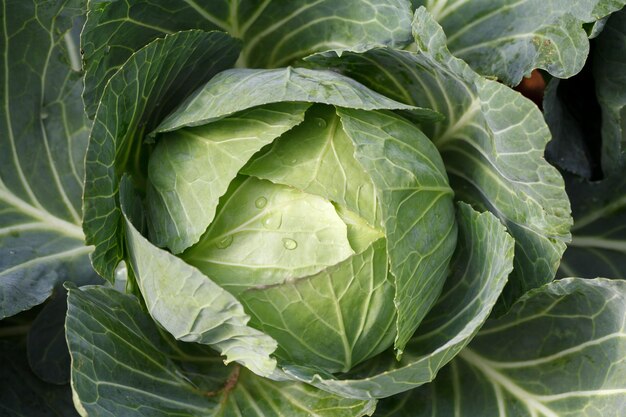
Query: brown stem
230,384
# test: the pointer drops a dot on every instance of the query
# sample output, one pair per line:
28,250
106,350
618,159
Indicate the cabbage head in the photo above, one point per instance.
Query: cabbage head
297,220
327,208
305,212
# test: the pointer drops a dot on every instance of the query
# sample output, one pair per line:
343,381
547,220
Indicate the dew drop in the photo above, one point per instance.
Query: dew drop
290,244
107,49
321,123
11,252
272,221
260,202
43,115
225,242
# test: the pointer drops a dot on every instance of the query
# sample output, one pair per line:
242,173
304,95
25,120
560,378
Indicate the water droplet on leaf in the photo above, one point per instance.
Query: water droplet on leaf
225,242
44,115
273,221
290,244
260,202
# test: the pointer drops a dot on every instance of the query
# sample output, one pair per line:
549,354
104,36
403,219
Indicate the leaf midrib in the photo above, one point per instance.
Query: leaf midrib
498,379
62,226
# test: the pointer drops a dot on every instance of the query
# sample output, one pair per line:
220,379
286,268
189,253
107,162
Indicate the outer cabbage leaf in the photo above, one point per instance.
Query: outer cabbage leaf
230,92
274,33
43,139
509,39
480,266
492,144
189,305
541,359
595,29
123,365
145,89
609,70
598,244
587,113
46,346
572,113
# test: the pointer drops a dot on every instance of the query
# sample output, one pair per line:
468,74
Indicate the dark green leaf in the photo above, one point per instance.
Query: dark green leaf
43,138
559,352
571,110
123,366
598,246
609,70
47,350
23,394
274,33
509,39
587,113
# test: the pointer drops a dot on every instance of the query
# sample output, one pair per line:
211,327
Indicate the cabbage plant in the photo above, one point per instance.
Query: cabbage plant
301,208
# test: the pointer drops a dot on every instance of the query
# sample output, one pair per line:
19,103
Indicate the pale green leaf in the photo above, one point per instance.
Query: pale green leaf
238,89
265,233
559,352
481,264
360,233
332,320
417,209
190,169
192,307
509,39
124,366
137,97
43,139
318,157
274,33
